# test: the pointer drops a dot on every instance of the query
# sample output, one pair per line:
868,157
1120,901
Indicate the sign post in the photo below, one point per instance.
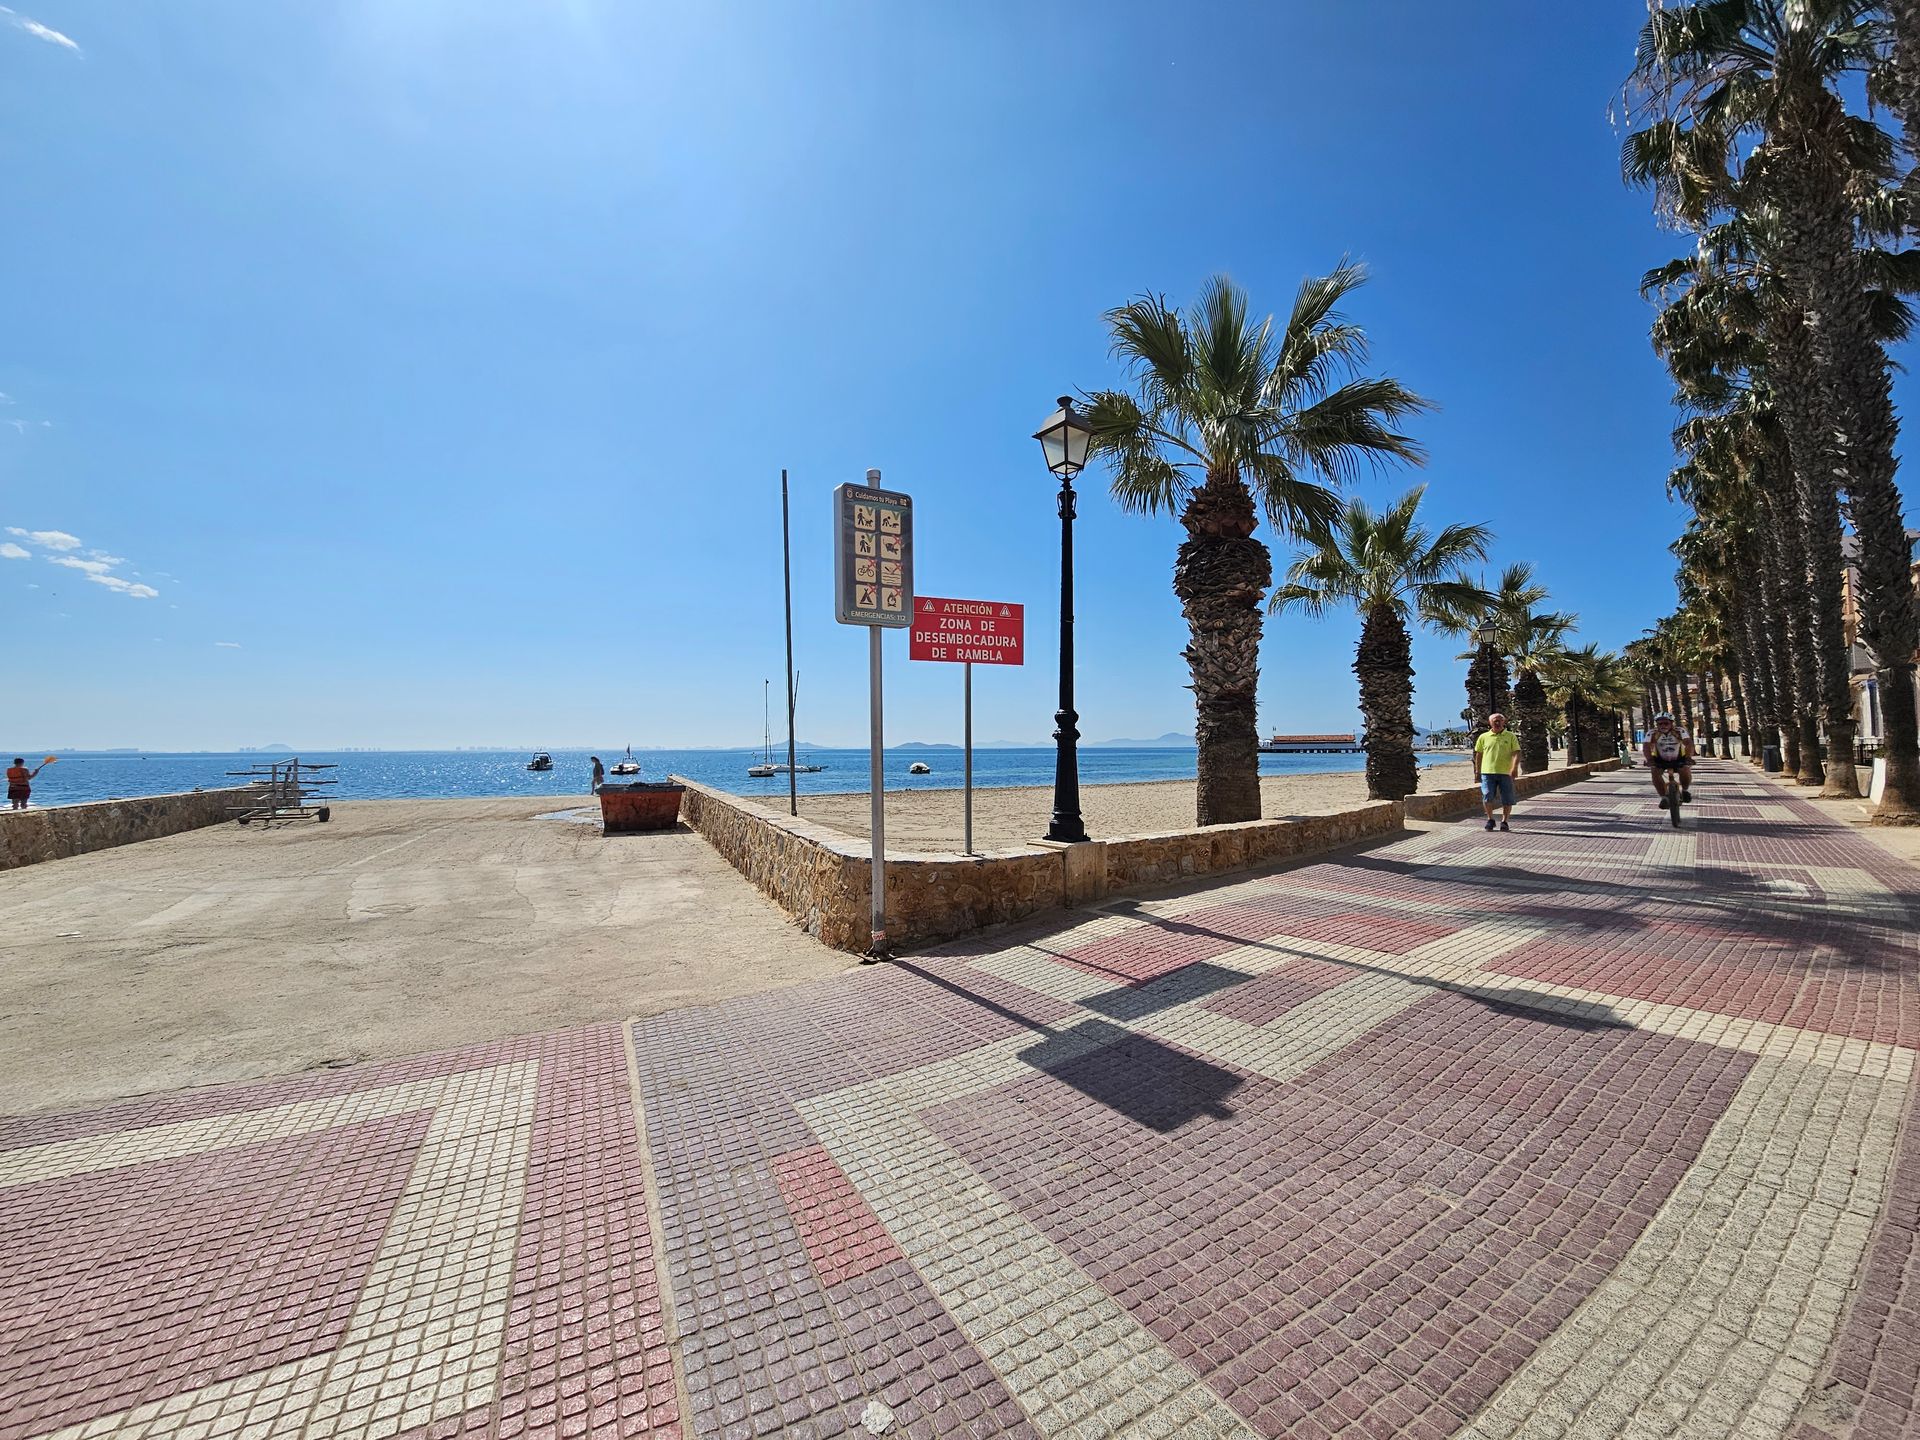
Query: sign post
967,632
873,586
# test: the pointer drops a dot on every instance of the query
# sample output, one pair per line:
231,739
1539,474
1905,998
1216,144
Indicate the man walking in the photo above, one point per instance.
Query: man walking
599,775
1496,755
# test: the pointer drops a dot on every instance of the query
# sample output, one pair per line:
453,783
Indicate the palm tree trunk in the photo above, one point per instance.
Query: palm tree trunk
1822,269
1530,718
1817,510
1221,575
1804,722
1384,666
1742,709
1720,709
1487,690
1702,712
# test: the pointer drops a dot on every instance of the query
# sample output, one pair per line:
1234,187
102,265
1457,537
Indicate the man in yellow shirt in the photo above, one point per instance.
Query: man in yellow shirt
1496,756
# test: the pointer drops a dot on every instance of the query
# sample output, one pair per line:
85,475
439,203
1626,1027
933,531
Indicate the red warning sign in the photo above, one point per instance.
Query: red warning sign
978,632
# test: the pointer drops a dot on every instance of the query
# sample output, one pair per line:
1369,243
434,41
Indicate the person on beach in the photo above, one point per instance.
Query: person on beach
599,775
20,782
1496,756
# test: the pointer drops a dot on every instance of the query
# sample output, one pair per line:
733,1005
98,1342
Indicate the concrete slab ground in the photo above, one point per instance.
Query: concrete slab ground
1595,1129
401,926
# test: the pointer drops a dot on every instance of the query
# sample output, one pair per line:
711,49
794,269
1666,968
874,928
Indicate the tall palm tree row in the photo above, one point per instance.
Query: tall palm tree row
1230,417
1390,569
1740,109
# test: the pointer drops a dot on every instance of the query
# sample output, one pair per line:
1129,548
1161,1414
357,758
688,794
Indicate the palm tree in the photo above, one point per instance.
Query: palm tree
1712,77
1592,684
1530,638
1230,417
1534,643
1387,567
1487,675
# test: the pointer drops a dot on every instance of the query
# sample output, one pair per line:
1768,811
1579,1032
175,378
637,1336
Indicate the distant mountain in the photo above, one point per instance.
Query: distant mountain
925,745
1169,741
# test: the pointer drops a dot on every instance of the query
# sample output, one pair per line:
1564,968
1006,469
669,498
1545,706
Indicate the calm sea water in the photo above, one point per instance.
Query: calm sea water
452,774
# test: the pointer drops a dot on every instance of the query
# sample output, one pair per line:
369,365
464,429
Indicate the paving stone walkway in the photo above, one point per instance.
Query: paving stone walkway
1595,1129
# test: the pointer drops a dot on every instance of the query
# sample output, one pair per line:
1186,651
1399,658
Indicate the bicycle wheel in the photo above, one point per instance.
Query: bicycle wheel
1673,806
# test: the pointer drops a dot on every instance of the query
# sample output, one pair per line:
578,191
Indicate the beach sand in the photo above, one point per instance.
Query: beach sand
932,819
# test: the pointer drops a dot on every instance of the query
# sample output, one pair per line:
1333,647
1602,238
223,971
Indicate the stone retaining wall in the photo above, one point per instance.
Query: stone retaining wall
1452,804
55,832
823,877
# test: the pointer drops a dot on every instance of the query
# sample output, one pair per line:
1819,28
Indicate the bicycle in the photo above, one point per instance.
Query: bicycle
1671,802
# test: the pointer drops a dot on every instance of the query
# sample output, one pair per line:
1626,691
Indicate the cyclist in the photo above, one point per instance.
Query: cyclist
1667,748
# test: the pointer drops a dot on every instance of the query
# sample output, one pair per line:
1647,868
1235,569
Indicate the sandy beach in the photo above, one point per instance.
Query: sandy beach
932,819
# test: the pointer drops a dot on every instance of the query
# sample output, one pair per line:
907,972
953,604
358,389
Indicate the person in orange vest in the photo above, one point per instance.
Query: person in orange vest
20,782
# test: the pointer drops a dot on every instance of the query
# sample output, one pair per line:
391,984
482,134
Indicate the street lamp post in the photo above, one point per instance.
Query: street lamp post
1065,439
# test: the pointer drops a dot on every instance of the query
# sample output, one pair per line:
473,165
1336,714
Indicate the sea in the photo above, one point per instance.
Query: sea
455,774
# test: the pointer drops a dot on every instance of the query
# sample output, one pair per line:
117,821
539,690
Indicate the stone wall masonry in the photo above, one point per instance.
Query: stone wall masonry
56,832
1452,804
822,877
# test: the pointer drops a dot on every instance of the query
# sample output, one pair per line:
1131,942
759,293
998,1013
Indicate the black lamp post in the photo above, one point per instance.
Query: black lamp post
1065,438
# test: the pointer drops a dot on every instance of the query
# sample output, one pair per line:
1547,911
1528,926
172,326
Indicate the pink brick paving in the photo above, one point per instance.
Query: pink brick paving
1436,1139
212,1274
129,1284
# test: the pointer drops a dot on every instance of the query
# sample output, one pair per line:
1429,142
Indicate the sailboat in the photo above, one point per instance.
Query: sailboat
628,766
766,767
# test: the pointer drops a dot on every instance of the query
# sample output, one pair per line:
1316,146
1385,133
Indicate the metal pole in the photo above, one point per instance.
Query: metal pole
878,814
786,564
1066,825
967,783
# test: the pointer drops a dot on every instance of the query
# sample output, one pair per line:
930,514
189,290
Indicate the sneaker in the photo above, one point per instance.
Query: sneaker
1503,825
1686,797
1489,822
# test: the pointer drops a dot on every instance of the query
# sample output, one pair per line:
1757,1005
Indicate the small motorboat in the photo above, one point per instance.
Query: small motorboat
541,761
628,766
919,767
761,772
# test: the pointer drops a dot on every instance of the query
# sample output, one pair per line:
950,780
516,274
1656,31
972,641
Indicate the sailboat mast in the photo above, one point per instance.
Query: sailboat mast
786,567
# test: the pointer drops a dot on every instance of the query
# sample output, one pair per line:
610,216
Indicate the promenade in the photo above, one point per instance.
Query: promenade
1598,1128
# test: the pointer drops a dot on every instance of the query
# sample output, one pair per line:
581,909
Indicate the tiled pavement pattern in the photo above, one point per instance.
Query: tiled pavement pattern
1593,1129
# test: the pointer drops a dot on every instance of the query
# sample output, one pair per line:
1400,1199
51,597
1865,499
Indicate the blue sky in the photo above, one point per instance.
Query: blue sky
434,365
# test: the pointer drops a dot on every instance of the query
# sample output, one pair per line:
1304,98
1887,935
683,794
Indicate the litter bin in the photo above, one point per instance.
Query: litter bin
1770,759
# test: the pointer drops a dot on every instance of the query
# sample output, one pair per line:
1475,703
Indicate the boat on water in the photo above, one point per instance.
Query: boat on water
628,766
541,761
919,767
766,767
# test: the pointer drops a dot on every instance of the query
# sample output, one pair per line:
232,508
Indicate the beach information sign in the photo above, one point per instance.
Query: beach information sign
872,556
967,632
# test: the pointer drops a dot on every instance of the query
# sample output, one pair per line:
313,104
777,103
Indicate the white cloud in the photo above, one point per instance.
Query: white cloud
227,644
37,30
96,565
125,587
47,539
73,562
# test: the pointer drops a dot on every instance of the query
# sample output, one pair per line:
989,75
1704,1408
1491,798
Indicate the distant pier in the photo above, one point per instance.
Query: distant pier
1311,745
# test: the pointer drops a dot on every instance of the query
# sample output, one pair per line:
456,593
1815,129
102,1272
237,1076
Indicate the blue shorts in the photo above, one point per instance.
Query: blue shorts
1497,789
